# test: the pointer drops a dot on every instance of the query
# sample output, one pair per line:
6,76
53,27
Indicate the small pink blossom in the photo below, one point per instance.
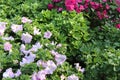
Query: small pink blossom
47,34
25,20
7,46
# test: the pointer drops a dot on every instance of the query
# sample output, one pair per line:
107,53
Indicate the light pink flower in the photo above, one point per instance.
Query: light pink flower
2,28
8,73
50,67
60,59
26,37
18,73
72,77
15,28
47,34
25,20
7,46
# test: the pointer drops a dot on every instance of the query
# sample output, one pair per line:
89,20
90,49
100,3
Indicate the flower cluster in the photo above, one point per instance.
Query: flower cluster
29,55
97,10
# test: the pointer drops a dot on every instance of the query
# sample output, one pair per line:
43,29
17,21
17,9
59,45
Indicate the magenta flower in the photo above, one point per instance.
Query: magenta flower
118,9
47,34
70,4
15,28
2,28
7,46
26,20
72,77
56,1
26,37
118,26
8,73
50,6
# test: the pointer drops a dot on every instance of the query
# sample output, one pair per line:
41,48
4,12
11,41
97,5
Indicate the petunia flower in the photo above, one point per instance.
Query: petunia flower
28,59
8,73
72,77
18,73
8,38
7,46
36,31
26,20
15,28
60,59
47,34
26,37
36,47
79,68
50,67
2,28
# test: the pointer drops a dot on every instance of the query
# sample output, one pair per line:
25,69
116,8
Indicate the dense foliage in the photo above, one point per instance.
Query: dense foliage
59,40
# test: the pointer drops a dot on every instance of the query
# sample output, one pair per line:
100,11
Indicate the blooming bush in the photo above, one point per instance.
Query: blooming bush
59,40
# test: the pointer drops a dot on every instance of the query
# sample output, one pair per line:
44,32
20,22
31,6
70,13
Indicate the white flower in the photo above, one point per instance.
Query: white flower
36,31
15,28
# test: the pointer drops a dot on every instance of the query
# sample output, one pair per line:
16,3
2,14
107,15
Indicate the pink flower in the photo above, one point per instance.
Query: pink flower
7,46
104,0
60,9
26,37
72,77
117,2
2,28
118,26
118,9
80,8
102,15
70,4
50,6
107,6
25,20
47,34
15,28
56,1
94,5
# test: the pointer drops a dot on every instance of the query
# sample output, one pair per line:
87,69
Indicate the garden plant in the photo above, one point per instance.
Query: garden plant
59,39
